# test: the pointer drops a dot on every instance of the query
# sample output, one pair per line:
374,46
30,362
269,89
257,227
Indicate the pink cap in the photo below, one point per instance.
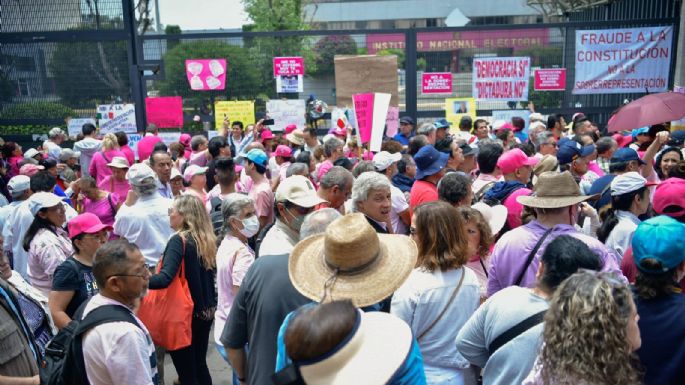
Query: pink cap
238,168
290,128
505,126
87,223
514,159
340,131
622,140
284,151
367,155
267,134
670,194
184,139
30,169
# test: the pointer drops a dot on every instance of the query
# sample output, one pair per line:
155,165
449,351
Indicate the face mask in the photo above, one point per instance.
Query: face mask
296,222
250,226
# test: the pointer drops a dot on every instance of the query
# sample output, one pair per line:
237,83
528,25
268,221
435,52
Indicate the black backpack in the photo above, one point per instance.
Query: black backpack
63,363
216,216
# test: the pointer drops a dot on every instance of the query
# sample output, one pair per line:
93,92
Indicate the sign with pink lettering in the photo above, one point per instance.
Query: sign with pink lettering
501,78
436,83
288,66
610,61
550,79
363,110
165,111
206,74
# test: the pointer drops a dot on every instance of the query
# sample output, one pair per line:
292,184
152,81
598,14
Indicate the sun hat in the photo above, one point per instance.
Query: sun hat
68,153
139,172
118,162
377,337
18,183
622,140
298,190
31,152
258,156
193,170
625,155
406,120
628,182
668,199
661,238
284,151
514,159
429,161
290,128
546,163
87,223
175,173
441,123
266,135
554,190
296,137
570,150
42,200
496,215
30,169
384,159
351,261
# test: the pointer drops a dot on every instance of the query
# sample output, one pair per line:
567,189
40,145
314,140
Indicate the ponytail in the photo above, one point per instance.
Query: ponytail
609,218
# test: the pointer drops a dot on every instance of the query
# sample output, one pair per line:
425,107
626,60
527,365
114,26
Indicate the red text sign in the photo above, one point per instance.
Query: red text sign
288,66
550,79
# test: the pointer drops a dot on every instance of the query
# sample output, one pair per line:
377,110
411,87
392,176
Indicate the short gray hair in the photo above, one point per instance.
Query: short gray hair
316,222
146,187
196,141
330,145
336,176
297,169
231,207
426,129
543,138
365,183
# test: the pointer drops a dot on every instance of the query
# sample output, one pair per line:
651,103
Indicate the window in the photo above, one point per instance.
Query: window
431,22
23,87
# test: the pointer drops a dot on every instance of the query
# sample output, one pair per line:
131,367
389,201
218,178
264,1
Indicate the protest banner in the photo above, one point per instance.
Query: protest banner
240,110
392,121
290,84
133,140
363,74
436,83
455,108
165,111
622,60
169,137
285,112
206,74
363,111
380,114
75,125
116,117
288,66
501,78
506,115
550,79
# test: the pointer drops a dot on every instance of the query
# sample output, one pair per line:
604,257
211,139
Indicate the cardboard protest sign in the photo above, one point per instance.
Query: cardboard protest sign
241,111
455,108
363,111
288,66
363,74
381,103
501,78
165,111
550,79
622,60
392,121
285,112
116,117
206,74
75,125
436,83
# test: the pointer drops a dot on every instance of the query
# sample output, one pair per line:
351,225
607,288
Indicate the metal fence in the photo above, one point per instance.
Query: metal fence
53,69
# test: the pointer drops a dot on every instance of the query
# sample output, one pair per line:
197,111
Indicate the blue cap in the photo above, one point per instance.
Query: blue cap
678,135
601,187
258,156
570,150
442,123
429,161
639,131
661,238
625,155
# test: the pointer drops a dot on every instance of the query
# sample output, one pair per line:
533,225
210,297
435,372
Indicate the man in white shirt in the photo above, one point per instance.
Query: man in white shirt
117,353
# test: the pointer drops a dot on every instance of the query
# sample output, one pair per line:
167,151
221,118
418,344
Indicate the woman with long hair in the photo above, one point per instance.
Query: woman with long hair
98,167
440,294
590,334
480,240
194,246
666,159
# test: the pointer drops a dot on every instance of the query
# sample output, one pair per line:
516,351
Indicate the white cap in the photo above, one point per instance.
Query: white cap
41,200
384,159
138,173
193,170
18,184
175,173
628,182
298,190
494,215
118,162
30,153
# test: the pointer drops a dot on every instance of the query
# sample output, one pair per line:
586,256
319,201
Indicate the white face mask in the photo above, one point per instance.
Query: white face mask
250,226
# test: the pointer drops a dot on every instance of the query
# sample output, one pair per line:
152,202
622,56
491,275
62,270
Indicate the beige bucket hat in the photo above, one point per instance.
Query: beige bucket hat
554,190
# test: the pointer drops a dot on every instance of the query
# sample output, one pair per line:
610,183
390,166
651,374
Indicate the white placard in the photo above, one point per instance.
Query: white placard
501,78
133,140
381,102
169,137
289,84
285,112
75,125
117,117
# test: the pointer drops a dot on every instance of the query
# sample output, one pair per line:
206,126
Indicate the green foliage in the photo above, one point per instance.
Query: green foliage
544,99
172,30
275,15
37,110
393,51
326,49
544,57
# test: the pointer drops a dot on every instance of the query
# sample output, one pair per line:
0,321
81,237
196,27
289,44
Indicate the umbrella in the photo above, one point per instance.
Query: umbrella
649,110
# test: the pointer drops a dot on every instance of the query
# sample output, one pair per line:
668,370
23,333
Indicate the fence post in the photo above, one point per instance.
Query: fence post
134,51
410,95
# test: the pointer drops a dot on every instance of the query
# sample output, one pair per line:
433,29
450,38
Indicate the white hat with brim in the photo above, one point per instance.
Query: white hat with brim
138,173
351,261
296,137
384,159
43,200
118,162
378,338
30,153
554,190
496,215
298,190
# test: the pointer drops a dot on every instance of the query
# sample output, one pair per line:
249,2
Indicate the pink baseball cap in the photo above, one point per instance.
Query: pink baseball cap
184,139
267,134
193,170
622,140
669,198
505,126
87,223
290,128
30,169
514,159
284,151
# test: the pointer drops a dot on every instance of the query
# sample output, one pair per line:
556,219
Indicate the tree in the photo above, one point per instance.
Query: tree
329,46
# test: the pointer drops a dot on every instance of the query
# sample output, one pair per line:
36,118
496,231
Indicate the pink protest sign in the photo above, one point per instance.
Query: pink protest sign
392,121
165,112
550,79
288,66
363,109
206,74
436,83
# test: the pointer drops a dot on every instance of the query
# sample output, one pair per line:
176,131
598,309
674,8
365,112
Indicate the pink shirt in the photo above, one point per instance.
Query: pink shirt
98,168
47,251
201,196
199,158
263,197
105,209
146,145
120,188
282,170
325,166
514,209
594,167
128,152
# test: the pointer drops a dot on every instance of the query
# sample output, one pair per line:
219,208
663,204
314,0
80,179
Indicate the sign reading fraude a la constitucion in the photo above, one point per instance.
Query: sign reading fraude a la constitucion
622,60
501,78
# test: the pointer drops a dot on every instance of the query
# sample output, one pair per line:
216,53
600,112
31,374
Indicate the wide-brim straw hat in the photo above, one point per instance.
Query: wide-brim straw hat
296,137
351,261
554,190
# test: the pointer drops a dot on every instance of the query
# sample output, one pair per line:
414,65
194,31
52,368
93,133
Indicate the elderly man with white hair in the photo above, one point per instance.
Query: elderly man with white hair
429,131
371,196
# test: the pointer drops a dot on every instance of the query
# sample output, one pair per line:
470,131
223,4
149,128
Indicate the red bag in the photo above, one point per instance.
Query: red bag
168,313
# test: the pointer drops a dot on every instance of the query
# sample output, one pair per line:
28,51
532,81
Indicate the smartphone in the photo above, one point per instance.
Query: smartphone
268,122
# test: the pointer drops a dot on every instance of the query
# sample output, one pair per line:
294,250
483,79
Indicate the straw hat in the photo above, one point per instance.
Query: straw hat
351,261
554,190
296,137
118,162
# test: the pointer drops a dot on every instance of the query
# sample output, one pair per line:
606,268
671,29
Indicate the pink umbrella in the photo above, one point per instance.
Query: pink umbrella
648,110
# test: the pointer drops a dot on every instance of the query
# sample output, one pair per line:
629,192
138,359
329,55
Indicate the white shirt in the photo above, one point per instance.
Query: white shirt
52,149
146,224
280,239
398,205
621,235
118,353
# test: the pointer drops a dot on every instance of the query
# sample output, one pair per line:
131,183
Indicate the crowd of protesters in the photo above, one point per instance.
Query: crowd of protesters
491,252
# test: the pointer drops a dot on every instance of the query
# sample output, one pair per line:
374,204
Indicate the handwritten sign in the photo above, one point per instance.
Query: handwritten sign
133,140
165,111
392,121
206,74
169,137
285,112
241,111
622,60
116,117
288,66
455,108
75,125
550,79
363,110
501,78
436,83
